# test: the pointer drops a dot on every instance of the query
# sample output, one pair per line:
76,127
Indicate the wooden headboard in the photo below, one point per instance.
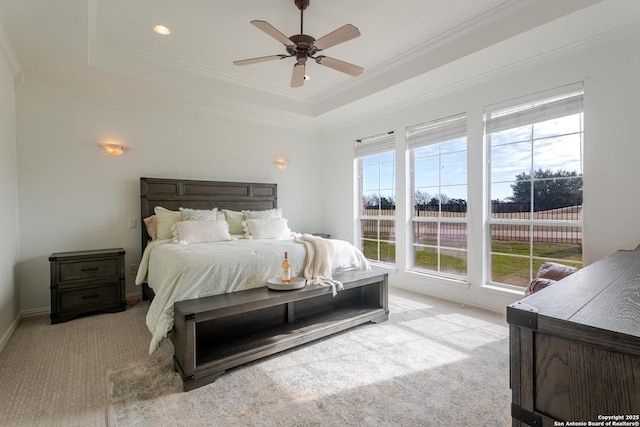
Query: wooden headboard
176,193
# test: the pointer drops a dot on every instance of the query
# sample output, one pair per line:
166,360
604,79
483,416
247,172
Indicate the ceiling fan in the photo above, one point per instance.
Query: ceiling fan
303,46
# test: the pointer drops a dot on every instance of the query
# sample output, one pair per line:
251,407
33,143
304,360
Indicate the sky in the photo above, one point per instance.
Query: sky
441,168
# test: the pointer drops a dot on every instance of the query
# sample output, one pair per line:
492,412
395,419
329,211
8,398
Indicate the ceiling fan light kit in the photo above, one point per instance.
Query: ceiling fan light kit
302,47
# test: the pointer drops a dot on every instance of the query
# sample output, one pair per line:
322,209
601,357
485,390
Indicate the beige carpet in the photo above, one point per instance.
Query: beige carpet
55,375
432,364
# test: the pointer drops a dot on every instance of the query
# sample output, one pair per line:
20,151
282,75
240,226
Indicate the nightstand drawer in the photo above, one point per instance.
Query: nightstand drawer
88,298
84,270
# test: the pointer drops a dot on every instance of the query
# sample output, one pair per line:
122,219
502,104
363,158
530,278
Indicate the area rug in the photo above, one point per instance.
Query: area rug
426,366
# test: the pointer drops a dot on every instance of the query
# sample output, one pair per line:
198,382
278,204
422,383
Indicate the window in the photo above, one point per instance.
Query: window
535,152
438,152
376,167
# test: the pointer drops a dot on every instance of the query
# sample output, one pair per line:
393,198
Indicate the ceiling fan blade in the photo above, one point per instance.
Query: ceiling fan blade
259,59
273,32
341,35
297,77
338,65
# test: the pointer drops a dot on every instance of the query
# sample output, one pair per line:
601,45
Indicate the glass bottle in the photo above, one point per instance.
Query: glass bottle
286,269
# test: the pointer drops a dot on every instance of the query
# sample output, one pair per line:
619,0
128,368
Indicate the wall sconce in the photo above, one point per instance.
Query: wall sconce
114,149
281,164
162,30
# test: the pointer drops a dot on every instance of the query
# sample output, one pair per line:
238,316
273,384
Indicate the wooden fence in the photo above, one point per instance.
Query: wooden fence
503,232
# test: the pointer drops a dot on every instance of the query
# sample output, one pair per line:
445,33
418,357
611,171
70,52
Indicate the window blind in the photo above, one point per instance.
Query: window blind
375,144
437,131
527,114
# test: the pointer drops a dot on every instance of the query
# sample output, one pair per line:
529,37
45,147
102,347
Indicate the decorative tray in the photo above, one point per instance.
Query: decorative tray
276,284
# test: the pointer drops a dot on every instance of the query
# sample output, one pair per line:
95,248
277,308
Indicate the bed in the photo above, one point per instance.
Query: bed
175,193
170,272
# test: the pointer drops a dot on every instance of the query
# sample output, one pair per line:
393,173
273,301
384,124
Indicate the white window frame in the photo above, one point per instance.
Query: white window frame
535,108
377,144
430,133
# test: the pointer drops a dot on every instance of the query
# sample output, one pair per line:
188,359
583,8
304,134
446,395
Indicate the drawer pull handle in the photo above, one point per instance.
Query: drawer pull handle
90,269
91,296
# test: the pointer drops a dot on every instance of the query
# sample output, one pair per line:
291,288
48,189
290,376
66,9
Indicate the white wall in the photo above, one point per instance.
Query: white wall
9,294
74,196
610,70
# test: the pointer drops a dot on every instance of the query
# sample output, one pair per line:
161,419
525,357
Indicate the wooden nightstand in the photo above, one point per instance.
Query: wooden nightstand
85,282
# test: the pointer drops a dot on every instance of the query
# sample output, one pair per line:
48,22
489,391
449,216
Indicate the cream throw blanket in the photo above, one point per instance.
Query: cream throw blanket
319,256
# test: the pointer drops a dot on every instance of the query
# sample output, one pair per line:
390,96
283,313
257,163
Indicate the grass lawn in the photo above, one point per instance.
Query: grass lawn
505,268
518,271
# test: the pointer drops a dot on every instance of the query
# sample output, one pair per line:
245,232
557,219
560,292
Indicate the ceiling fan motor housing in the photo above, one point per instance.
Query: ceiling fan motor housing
303,47
301,4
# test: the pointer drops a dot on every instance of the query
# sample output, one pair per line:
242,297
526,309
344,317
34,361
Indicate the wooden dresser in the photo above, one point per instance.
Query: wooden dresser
86,281
575,347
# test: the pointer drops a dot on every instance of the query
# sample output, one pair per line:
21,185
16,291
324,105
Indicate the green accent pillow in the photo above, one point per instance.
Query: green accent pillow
234,219
166,219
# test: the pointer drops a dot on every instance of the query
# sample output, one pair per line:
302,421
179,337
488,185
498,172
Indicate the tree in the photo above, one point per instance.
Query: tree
433,204
371,201
551,190
455,205
425,201
374,201
457,202
387,203
421,198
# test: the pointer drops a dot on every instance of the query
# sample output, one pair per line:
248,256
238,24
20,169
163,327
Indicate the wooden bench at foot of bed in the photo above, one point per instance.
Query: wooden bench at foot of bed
216,333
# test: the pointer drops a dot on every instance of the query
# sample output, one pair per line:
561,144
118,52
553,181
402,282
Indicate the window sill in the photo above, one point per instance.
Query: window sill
444,279
503,290
381,266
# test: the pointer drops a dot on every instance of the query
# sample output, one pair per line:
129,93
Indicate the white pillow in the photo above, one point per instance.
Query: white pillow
267,228
187,232
268,213
166,219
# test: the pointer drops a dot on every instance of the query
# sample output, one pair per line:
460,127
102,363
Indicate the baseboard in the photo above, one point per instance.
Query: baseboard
16,322
12,328
133,299
499,308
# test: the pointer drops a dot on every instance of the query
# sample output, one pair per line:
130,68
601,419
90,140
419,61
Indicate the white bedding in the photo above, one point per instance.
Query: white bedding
179,272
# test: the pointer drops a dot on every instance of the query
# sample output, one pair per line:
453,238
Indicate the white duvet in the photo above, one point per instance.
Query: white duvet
178,272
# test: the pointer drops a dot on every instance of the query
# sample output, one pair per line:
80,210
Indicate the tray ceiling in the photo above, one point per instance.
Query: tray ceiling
111,43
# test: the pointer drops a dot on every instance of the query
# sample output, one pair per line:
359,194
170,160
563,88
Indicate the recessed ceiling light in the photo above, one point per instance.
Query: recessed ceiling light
161,29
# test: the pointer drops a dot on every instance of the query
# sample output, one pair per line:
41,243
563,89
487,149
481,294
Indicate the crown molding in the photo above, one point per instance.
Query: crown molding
311,125
7,52
629,30
498,25
96,41
129,49
244,114
427,47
